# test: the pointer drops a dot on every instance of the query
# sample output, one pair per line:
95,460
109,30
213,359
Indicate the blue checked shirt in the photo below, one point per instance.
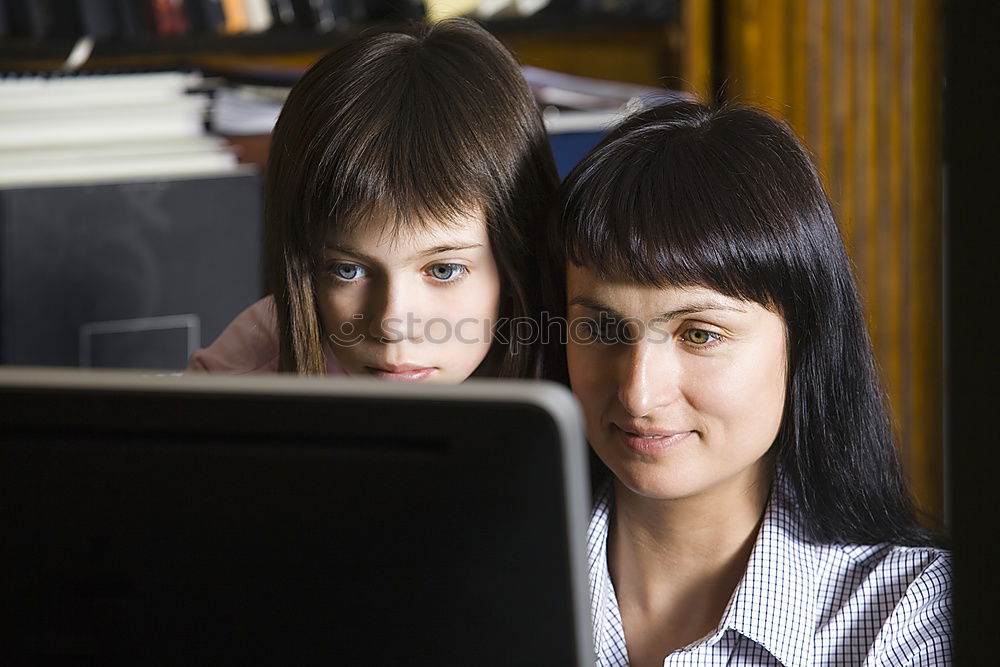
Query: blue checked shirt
802,604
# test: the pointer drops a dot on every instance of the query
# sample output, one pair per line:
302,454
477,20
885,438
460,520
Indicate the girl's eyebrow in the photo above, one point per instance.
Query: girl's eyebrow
690,309
441,249
428,252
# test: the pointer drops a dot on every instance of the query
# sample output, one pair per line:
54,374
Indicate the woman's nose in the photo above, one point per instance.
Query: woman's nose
648,377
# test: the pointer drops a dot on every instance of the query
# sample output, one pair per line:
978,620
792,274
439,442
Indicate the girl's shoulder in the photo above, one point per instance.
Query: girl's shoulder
249,344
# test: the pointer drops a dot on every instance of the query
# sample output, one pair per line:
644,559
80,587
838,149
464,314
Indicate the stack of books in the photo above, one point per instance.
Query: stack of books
91,128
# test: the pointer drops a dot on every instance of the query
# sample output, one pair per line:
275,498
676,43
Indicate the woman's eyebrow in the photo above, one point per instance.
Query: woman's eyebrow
594,304
699,308
689,309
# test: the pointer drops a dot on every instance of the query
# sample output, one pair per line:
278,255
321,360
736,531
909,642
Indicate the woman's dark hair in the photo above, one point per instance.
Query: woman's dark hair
729,199
417,123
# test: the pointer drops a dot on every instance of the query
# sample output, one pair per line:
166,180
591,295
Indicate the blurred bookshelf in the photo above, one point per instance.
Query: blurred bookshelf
40,35
662,45
639,42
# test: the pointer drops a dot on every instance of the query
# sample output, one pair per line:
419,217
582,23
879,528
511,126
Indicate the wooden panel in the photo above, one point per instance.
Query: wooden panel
634,55
859,81
923,157
694,42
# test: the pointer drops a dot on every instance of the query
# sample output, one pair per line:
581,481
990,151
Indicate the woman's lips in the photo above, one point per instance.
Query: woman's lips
650,441
403,373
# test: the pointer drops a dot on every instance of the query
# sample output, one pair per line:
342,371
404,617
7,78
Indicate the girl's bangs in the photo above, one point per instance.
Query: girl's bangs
416,166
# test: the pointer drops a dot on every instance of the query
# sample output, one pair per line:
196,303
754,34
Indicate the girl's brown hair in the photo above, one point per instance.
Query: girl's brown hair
418,123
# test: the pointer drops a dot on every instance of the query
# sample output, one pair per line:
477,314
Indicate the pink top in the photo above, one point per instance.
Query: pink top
250,345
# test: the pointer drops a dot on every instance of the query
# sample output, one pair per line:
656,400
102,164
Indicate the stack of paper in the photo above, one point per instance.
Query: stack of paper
247,110
94,128
570,103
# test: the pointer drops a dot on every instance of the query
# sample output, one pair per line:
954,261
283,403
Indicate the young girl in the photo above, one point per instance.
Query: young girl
407,177
750,507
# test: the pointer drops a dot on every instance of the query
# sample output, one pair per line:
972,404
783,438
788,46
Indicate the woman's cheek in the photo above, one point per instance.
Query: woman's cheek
586,378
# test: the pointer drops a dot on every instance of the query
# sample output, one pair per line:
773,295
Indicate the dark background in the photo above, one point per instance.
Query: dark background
971,245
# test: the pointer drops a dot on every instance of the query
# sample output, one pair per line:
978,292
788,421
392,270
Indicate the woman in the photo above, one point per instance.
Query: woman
750,506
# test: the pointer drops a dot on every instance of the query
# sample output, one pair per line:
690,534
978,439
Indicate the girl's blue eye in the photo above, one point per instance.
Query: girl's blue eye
346,271
446,272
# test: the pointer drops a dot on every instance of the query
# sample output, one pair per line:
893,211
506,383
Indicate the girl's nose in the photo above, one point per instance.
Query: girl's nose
396,313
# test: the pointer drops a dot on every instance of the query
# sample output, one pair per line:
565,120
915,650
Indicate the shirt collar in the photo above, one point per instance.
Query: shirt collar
601,588
773,605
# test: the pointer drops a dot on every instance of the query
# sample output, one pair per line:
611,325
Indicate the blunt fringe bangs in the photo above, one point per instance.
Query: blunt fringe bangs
729,199
407,125
678,196
396,122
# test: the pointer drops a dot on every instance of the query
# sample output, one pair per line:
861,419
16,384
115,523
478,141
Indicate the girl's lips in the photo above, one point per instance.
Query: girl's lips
402,373
649,441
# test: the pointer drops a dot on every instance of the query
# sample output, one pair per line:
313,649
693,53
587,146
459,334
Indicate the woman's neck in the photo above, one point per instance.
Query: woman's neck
676,563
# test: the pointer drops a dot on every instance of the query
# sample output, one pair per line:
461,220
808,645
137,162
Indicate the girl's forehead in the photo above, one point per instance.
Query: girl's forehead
381,229
379,240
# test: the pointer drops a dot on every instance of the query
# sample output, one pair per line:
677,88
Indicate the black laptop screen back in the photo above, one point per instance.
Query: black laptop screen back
174,529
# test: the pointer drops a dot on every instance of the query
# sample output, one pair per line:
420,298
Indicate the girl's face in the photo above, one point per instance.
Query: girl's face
689,396
415,305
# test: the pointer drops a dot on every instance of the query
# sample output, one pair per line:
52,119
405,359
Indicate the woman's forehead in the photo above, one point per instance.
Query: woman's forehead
587,287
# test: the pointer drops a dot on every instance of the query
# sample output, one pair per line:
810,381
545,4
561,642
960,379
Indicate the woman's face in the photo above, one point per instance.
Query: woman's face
416,305
689,396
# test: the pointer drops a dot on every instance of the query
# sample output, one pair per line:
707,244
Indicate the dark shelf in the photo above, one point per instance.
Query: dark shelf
278,42
18,54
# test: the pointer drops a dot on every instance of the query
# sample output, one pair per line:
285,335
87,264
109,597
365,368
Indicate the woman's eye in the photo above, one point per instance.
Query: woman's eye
346,271
447,272
700,336
604,332
592,332
610,335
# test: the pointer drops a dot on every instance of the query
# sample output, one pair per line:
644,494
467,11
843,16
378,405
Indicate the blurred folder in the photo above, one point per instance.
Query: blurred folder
130,236
130,275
